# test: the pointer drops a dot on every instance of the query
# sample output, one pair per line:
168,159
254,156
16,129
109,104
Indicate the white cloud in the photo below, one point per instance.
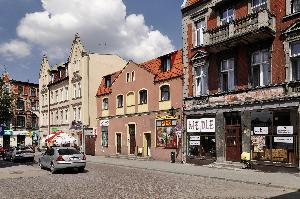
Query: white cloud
15,48
102,25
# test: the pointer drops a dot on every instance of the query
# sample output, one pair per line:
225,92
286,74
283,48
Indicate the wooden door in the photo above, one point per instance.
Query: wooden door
233,143
118,143
132,143
89,145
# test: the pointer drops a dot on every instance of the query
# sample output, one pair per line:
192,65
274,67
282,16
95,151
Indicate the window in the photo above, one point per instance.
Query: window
66,115
119,101
52,118
59,73
107,81
201,80
295,60
104,131
130,99
259,4
33,106
62,116
20,104
21,90
51,96
200,26
165,93
67,72
295,6
227,74
74,113
260,68
227,16
52,78
77,63
62,94
79,114
74,94
79,89
33,92
67,93
130,77
143,97
166,133
46,99
56,96
105,104
127,77
20,121
166,63
56,117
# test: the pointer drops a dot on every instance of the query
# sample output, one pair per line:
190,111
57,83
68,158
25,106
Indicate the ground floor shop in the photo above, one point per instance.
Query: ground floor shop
149,135
269,133
12,138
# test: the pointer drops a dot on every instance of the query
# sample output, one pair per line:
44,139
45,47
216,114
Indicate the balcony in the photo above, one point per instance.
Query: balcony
248,29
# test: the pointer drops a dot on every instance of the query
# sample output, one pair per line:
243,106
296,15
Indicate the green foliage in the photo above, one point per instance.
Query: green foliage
5,104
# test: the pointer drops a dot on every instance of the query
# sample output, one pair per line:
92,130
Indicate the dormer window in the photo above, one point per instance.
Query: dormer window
227,16
59,73
166,63
107,81
259,4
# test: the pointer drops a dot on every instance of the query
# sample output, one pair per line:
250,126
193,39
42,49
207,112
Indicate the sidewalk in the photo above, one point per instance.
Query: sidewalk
279,180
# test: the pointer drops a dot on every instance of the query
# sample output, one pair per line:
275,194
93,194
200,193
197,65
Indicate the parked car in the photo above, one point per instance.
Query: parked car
8,154
2,151
22,153
58,158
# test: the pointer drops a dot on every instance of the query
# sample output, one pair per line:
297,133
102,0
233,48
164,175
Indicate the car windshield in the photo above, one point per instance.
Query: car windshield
67,151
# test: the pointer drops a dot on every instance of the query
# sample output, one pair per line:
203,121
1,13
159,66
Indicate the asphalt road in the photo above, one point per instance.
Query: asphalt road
104,181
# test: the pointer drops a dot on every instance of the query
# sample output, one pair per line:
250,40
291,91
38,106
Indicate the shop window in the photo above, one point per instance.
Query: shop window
20,104
201,78
165,93
143,96
120,101
199,32
227,75
104,130
274,137
20,121
105,104
166,133
260,68
295,6
259,4
295,60
227,16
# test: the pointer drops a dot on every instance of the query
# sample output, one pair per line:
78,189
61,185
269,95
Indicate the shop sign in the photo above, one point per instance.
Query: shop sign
165,117
261,130
20,132
34,136
88,132
194,143
201,125
194,137
8,132
285,130
289,140
104,122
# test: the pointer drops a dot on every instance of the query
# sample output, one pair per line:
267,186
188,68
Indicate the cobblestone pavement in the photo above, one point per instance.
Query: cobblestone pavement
106,181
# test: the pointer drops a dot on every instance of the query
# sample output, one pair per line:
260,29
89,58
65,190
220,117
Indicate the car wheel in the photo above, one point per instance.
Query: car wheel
81,169
40,165
52,168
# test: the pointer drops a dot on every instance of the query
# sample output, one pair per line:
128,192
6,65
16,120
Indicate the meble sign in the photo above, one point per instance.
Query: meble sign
201,125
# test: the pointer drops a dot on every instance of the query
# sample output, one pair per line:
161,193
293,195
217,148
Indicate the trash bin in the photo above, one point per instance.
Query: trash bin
172,157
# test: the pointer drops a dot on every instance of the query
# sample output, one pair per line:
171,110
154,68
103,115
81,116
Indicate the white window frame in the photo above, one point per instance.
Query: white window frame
166,63
228,18
201,80
67,92
293,58
261,63
117,105
293,8
79,113
66,115
199,32
74,114
230,73
62,94
56,96
79,89
261,4
74,91
105,105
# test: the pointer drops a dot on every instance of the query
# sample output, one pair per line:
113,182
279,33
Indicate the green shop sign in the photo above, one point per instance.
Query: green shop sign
8,132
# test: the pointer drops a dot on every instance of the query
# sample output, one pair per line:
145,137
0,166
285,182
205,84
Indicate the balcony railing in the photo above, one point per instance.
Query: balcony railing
252,23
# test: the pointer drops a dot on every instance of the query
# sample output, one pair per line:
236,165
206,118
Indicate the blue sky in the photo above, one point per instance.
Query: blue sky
133,29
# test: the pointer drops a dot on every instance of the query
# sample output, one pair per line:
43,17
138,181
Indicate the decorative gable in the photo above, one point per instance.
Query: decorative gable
77,49
199,56
76,77
293,31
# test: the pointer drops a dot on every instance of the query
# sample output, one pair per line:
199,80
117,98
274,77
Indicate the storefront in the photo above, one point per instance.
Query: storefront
274,137
201,140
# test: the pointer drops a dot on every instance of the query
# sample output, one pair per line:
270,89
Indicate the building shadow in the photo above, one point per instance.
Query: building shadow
291,195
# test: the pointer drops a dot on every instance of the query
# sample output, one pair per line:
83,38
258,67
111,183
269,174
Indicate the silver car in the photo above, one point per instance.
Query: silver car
58,158
22,153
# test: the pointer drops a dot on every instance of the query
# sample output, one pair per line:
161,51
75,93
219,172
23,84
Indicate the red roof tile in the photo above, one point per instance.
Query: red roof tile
103,90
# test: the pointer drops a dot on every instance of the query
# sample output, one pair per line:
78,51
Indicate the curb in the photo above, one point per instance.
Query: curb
204,176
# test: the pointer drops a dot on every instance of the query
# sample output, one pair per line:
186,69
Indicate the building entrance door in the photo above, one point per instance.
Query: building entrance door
132,138
147,144
119,141
233,143
89,145
6,141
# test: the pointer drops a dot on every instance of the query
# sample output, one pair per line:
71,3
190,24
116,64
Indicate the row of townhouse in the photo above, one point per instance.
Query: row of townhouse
241,80
67,91
23,126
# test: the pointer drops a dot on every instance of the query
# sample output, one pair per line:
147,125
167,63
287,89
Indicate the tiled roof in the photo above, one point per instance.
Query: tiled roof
103,90
154,66
189,3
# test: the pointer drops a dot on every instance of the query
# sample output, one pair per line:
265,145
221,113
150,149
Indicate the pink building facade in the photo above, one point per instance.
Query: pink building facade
139,110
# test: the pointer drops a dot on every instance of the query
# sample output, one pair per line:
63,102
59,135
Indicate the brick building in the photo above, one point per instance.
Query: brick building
241,65
25,114
139,109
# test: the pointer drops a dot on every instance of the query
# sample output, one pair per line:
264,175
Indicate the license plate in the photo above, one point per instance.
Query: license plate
75,158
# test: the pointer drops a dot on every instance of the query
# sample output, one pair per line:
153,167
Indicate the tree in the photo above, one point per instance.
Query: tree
5,103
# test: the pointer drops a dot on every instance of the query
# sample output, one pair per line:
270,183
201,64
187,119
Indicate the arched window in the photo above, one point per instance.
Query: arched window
165,93
105,104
